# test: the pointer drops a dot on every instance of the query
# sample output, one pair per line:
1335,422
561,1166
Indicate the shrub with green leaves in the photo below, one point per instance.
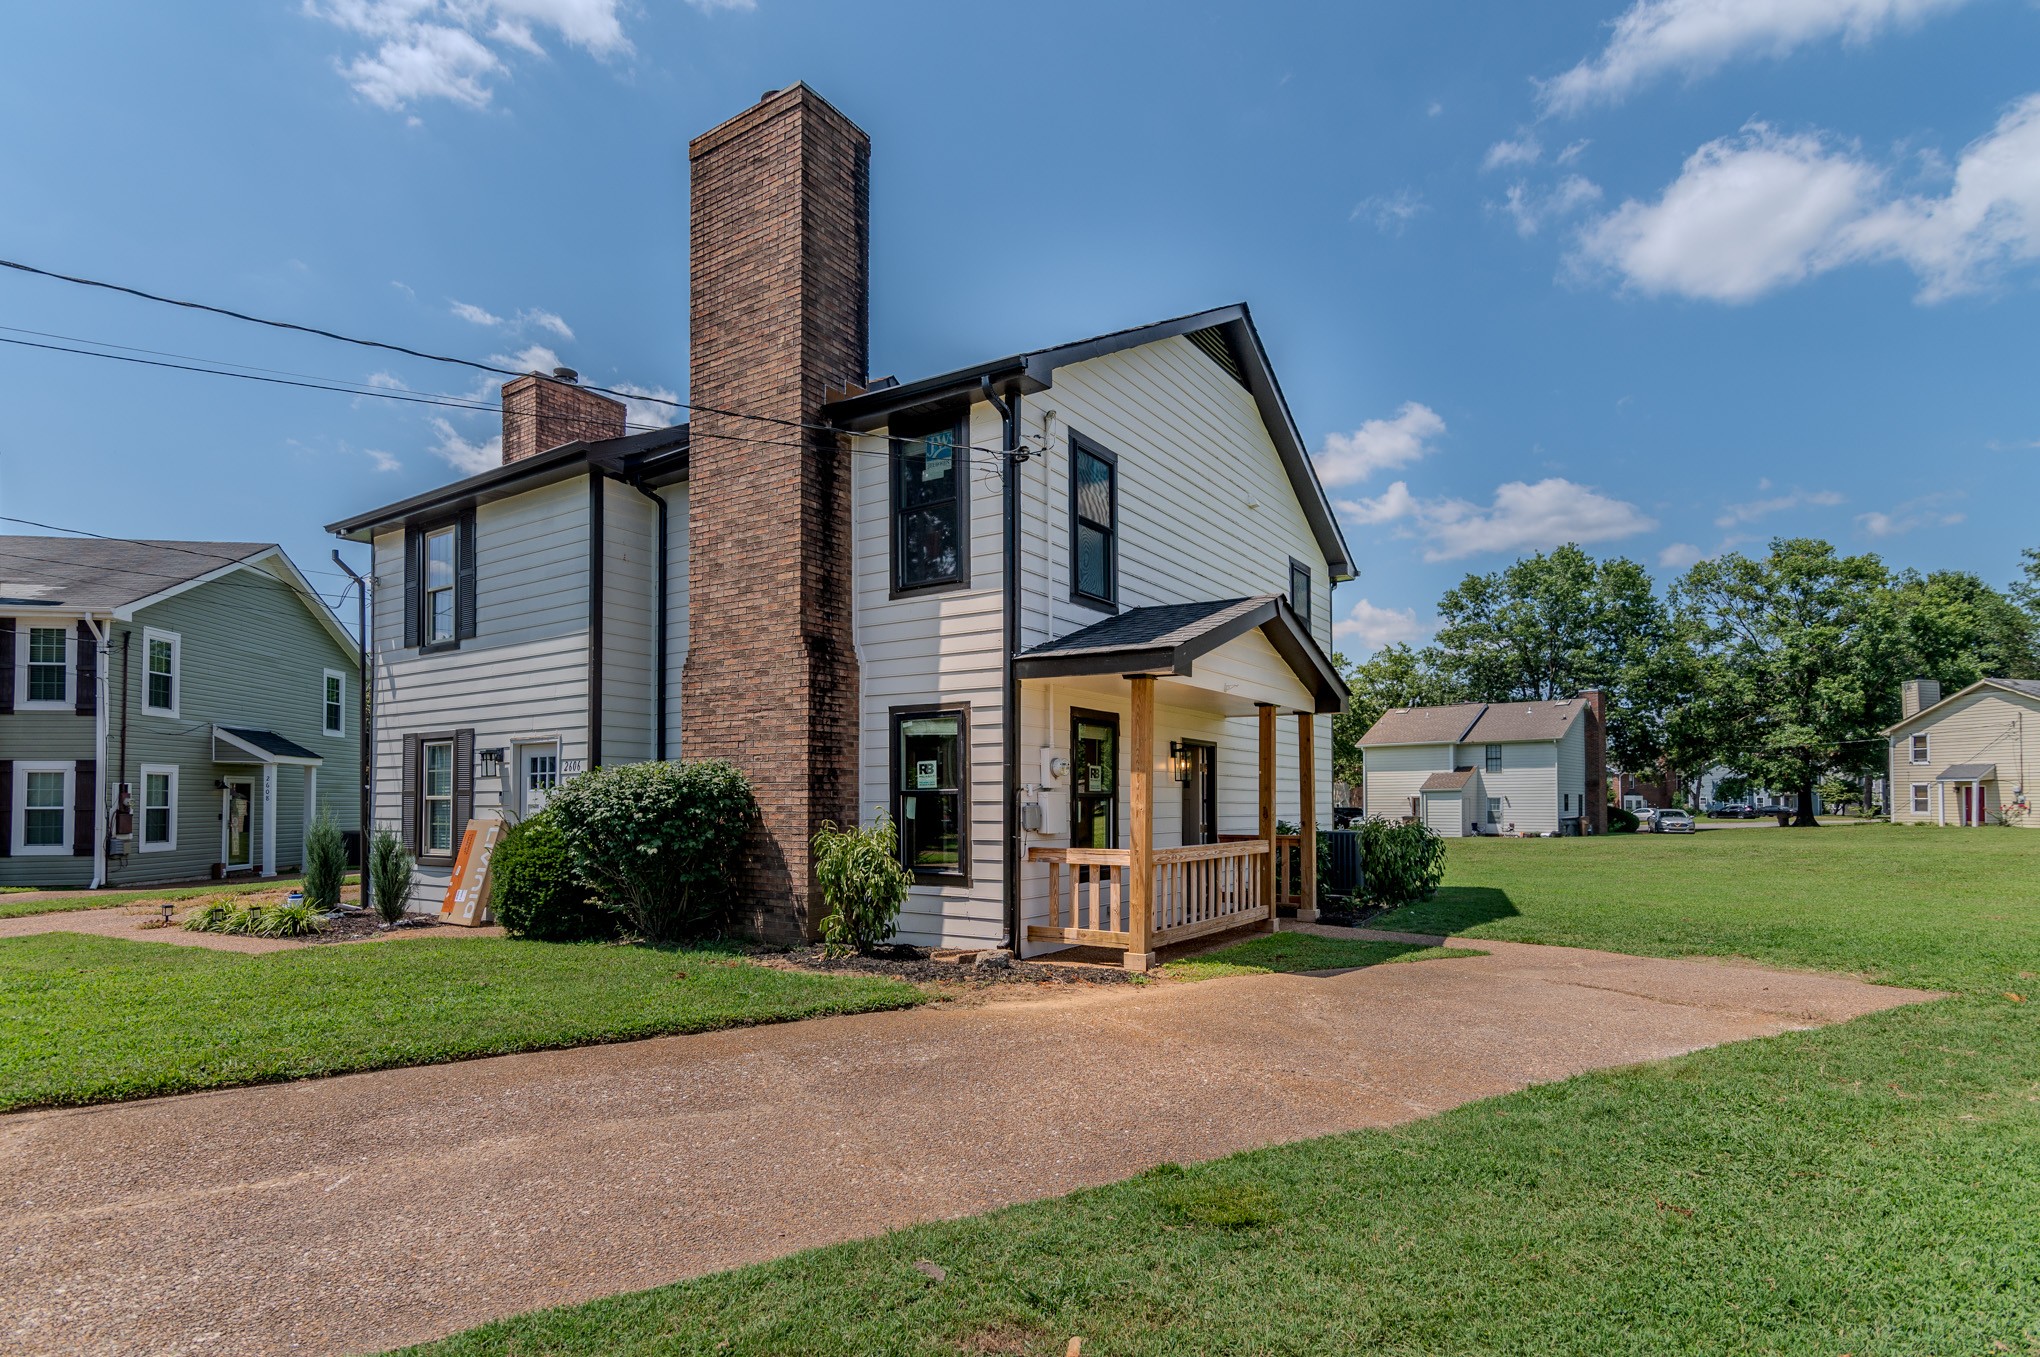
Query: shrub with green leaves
391,872
656,840
325,863
1400,861
862,882
284,920
212,916
534,891
1621,821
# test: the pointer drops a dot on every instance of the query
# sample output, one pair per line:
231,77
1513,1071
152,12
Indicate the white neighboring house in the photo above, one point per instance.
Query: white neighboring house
1965,759
1479,768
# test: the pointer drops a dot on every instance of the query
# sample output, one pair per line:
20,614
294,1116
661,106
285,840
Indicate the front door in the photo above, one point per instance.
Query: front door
1200,793
237,815
538,775
1094,775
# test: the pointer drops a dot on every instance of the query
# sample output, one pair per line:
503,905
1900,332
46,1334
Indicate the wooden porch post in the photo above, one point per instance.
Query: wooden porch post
1306,780
1268,810
1140,871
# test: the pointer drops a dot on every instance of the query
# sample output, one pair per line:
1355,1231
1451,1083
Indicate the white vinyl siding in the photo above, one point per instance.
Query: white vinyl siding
630,538
1393,774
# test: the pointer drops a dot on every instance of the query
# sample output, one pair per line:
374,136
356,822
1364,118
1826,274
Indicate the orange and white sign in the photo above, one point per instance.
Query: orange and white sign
467,894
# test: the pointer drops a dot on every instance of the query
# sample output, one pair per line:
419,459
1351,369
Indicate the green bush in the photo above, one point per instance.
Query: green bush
862,882
1621,821
1400,861
285,920
391,872
534,891
655,840
212,916
325,863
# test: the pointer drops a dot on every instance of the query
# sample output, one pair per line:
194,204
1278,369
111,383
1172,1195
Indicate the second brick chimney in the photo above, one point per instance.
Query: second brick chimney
540,413
1597,759
779,272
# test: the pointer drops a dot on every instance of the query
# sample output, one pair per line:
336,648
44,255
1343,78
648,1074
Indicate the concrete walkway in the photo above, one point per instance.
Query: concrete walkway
362,1212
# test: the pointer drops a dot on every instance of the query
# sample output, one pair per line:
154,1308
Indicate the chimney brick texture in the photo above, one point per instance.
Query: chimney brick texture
540,413
1597,759
778,310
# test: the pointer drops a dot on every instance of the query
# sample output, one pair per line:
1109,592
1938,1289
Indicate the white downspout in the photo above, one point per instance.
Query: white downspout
100,785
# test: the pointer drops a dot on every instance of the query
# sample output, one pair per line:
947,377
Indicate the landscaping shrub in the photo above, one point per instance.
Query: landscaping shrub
212,916
1621,821
325,863
534,891
391,872
1401,861
655,840
226,914
862,882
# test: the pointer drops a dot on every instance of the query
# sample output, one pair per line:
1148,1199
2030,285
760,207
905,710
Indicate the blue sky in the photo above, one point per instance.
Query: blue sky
1666,278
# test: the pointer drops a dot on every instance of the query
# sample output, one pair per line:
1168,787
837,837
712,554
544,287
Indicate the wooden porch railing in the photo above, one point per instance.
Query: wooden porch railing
1199,889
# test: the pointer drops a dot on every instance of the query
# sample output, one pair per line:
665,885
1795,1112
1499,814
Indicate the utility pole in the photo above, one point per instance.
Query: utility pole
365,728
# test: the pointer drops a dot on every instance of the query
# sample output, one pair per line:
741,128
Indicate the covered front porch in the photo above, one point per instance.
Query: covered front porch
1173,742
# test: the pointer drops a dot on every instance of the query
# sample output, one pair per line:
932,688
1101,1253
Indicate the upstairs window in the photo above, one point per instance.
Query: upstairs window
1299,591
439,609
1094,524
1919,749
159,671
928,508
48,673
1494,758
439,584
930,775
335,704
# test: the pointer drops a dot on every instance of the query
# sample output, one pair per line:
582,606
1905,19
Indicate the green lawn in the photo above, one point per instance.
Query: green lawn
86,1020
1870,1189
1290,952
108,899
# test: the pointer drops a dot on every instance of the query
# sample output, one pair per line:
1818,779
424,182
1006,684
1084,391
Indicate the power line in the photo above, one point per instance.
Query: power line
399,348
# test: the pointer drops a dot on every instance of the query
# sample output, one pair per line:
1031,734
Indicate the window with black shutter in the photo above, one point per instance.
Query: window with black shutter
439,584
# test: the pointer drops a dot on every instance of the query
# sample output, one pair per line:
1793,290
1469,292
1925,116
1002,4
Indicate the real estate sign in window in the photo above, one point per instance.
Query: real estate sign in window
930,773
928,508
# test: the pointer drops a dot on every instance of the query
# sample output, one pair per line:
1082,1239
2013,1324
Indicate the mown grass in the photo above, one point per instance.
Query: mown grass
1866,1189
87,1019
1292,952
110,899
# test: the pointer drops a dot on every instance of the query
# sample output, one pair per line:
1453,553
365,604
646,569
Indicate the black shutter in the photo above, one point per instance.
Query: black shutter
463,781
414,586
409,800
6,668
88,671
464,577
7,802
84,809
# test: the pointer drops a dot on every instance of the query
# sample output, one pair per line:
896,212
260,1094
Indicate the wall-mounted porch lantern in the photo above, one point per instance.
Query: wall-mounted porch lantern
491,762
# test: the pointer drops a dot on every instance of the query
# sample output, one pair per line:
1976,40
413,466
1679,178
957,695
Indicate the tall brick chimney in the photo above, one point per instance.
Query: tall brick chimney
540,413
778,308
1597,758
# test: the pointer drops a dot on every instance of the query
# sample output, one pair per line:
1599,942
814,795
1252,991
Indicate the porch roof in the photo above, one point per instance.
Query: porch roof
1448,782
246,744
1169,638
1968,772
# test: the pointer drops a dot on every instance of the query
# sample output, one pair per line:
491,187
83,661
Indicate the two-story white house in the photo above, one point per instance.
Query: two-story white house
1065,615
1478,768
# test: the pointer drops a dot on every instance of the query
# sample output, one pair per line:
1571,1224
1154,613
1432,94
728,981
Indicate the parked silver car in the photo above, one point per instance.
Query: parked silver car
1672,821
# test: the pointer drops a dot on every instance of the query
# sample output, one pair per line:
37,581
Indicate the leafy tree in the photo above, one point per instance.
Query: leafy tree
1798,651
1954,627
1394,676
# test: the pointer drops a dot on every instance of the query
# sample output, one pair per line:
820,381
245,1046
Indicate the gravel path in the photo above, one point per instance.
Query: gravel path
358,1213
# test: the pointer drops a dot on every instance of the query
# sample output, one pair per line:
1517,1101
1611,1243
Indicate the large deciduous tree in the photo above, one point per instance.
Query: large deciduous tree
1953,627
1799,647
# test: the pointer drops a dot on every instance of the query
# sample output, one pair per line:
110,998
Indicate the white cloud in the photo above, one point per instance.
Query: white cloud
1379,444
546,320
718,6
1654,38
1522,150
1761,210
1679,555
1928,511
1751,510
384,461
1390,212
1522,517
1532,210
387,381
1369,628
531,358
641,414
465,457
475,315
451,49
1572,152
1391,504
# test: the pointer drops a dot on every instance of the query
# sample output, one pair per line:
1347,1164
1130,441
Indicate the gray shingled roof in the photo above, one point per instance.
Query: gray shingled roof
91,572
1475,723
2030,687
1968,772
1163,624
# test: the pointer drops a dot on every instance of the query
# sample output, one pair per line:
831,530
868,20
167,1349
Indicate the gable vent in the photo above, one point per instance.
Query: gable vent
1214,342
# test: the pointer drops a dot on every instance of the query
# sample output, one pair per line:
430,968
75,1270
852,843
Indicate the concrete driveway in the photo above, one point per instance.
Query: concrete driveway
367,1211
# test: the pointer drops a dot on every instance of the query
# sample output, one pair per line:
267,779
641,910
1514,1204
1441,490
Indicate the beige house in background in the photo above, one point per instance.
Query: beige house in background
1964,759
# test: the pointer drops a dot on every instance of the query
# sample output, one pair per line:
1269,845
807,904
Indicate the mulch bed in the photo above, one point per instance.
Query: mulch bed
363,928
916,966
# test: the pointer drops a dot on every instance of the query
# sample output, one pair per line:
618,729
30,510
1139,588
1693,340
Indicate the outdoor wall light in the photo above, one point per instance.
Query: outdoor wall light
1179,762
492,762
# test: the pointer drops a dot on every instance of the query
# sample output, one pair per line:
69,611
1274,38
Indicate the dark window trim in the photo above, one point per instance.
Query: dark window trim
1107,718
462,524
959,421
421,812
1080,443
1491,758
1304,613
962,876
